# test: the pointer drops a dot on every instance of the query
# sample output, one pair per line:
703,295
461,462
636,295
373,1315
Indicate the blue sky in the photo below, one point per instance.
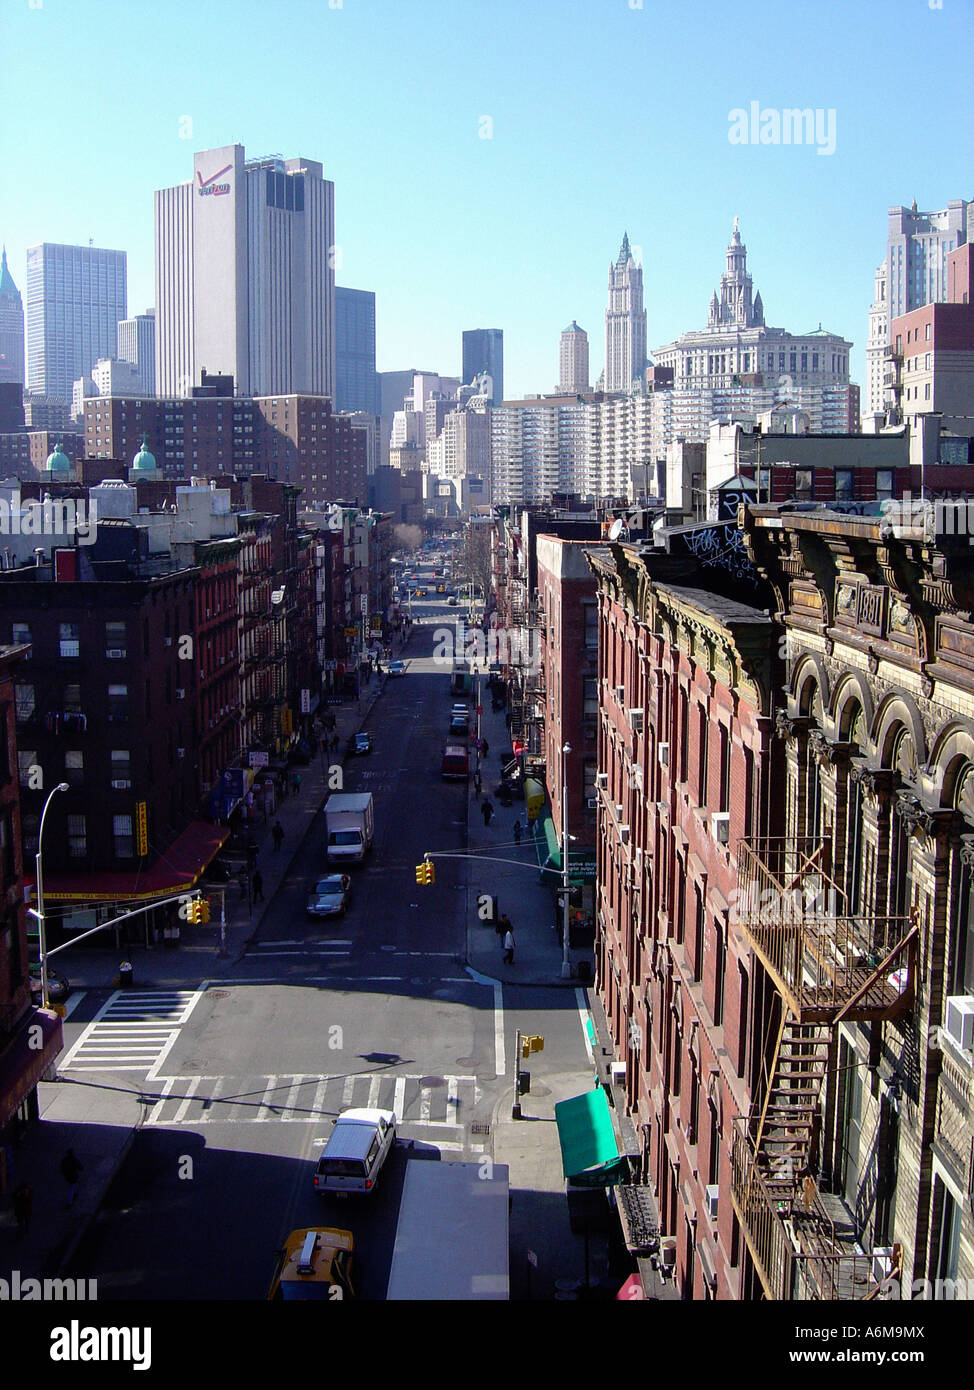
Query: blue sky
605,117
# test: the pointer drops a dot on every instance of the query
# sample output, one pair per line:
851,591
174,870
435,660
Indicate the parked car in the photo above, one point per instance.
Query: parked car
58,986
459,724
330,896
357,1148
397,668
452,601
360,744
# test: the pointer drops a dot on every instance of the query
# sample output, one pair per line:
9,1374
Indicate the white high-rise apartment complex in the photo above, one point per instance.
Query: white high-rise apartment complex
76,296
245,280
913,274
625,323
573,370
917,247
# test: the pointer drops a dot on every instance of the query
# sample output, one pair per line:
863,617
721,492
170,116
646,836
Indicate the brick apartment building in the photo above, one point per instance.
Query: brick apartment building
873,961
22,1027
687,764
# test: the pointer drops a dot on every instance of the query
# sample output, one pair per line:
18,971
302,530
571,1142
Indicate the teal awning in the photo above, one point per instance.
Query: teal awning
589,1153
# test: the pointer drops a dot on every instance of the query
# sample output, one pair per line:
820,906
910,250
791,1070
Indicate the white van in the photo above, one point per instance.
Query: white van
357,1148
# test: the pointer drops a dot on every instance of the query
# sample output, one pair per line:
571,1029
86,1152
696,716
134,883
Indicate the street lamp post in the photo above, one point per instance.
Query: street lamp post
566,968
61,787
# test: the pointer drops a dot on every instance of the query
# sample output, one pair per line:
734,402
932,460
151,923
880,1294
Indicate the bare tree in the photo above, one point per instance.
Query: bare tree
472,565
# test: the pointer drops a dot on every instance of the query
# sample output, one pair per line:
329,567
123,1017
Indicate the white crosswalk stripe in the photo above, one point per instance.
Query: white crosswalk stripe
441,1103
134,1030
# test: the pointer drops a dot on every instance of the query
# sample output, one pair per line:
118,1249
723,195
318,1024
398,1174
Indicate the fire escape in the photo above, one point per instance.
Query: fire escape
826,967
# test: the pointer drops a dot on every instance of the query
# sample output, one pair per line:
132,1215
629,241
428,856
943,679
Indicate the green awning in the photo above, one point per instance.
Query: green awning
589,1154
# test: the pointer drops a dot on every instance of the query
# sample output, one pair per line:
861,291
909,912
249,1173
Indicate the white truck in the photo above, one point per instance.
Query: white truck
349,826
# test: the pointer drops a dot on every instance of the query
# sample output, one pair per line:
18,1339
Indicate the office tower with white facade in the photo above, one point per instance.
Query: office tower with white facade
245,281
11,327
573,372
917,247
76,296
483,352
137,345
625,323
356,380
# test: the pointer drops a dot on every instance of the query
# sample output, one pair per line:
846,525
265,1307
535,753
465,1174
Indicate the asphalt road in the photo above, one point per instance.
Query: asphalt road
373,1009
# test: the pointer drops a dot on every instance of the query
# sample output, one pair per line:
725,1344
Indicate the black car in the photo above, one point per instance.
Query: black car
359,745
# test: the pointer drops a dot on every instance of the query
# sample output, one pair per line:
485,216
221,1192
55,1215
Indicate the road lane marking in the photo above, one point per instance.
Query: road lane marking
156,1110
190,1093
263,1113
399,1097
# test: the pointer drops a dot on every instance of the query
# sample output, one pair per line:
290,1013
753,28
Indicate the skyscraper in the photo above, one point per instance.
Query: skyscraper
917,247
11,327
245,281
356,380
137,344
573,360
483,351
76,296
876,349
625,322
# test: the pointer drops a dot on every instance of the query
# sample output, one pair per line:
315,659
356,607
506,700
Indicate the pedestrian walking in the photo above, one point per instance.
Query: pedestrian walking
502,926
23,1201
477,781
296,783
484,747
334,743
258,887
517,832
71,1168
487,810
242,880
509,947
277,834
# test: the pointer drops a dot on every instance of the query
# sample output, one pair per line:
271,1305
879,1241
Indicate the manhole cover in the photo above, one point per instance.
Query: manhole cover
432,1080
218,993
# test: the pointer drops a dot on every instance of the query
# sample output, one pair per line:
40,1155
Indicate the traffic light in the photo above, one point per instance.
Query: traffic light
430,872
420,873
533,1042
425,873
203,910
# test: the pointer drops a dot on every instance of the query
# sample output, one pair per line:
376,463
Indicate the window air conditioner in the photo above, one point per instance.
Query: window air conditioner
959,1022
664,755
592,802
602,780
121,784
713,1196
620,693
624,834
635,717
115,653
721,824
180,693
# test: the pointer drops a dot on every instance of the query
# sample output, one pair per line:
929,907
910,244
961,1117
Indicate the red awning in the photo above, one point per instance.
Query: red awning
175,871
23,1063
632,1290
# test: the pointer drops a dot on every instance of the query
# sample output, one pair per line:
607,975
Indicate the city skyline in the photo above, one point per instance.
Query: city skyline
461,257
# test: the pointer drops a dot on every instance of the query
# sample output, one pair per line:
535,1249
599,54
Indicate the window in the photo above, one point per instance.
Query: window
70,639
590,617
27,766
764,485
72,699
7,858
118,704
74,768
24,702
844,489
590,697
115,640
803,484
703,731
19,632
77,837
122,831
884,484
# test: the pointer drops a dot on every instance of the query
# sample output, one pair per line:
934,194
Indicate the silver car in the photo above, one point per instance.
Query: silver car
330,896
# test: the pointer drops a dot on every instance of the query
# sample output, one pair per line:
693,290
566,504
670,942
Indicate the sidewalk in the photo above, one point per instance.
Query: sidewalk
100,1123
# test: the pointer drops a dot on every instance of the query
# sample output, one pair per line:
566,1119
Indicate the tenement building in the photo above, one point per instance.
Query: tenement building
688,765
857,915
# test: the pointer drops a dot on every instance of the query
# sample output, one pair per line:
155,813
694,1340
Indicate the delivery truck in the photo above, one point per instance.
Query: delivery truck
349,826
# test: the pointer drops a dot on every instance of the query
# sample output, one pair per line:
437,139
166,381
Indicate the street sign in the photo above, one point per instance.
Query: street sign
258,759
141,830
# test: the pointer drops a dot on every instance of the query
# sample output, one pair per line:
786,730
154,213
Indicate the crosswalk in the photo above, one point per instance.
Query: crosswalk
134,1030
444,1104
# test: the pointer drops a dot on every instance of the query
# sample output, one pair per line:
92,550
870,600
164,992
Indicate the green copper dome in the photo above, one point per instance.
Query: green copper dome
144,461
57,462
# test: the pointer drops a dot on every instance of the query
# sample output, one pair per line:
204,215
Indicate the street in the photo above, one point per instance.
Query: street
239,1077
